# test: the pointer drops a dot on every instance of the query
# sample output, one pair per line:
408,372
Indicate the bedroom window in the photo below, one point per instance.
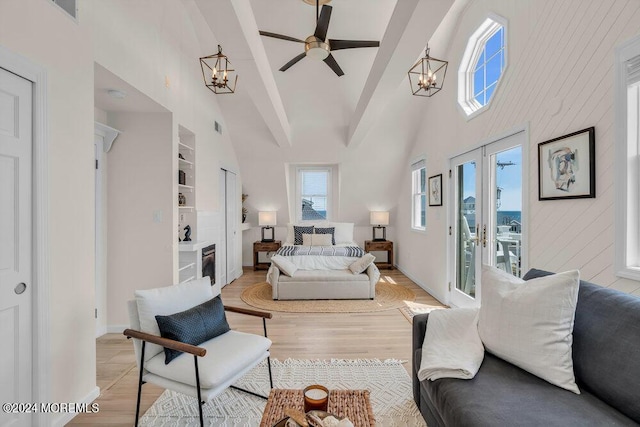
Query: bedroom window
482,66
314,193
419,195
627,113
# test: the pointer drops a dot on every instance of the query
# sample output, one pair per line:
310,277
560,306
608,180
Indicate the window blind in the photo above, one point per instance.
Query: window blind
633,70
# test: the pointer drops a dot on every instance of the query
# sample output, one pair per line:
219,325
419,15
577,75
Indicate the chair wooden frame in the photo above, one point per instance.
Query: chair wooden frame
196,352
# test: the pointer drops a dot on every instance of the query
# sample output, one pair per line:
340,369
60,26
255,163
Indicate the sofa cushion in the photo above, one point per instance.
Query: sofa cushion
530,324
606,345
240,351
362,263
298,231
325,276
193,326
284,265
502,394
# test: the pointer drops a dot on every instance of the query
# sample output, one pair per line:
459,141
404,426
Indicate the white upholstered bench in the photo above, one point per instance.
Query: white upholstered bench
324,284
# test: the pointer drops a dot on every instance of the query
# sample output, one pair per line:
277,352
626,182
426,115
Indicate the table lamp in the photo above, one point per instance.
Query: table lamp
378,220
267,219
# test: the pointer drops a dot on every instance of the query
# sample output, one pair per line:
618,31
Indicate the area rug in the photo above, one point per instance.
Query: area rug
388,382
388,296
412,308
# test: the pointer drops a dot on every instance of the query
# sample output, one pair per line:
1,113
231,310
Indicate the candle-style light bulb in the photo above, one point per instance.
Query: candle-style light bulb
214,74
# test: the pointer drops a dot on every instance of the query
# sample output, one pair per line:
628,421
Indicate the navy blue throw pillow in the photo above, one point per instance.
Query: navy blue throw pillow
299,231
193,326
327,230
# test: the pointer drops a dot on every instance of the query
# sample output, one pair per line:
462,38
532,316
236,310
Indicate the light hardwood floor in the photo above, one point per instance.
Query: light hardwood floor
381,335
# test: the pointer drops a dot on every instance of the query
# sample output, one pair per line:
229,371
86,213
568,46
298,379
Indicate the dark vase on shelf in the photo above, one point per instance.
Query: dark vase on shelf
244,217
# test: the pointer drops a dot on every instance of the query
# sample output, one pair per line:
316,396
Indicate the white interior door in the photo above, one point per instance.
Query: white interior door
16,287
101,238
221,252
231,214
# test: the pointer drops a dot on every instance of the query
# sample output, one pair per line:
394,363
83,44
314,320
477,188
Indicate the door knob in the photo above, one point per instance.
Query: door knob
20,288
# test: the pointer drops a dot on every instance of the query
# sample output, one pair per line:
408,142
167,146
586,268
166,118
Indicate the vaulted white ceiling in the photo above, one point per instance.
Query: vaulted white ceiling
281,108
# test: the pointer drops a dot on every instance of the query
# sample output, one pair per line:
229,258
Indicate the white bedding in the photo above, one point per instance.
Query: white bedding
322,262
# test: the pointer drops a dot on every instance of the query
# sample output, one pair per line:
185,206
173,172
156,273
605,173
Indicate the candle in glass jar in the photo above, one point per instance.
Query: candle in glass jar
316,397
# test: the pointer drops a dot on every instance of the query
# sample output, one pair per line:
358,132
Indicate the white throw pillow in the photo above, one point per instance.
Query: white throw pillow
169,300
343,233
530,323
362,263
317,240
284,265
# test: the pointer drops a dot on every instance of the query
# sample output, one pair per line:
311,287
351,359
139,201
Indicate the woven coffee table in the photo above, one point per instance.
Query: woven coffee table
353,404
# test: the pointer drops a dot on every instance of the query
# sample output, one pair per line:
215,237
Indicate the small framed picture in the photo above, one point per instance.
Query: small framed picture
435,190
567,166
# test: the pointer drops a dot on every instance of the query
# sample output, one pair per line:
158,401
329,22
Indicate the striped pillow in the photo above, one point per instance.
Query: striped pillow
298,231
327,230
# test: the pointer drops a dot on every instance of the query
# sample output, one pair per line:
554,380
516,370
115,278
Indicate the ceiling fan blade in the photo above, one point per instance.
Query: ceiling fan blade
331,62
352,44
286,66
280,36
323,23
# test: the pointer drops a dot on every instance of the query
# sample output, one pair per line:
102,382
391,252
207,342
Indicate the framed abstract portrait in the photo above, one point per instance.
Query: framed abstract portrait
567,166
435,190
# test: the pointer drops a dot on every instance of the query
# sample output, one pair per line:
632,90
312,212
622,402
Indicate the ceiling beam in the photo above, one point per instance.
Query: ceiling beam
233,24
410,28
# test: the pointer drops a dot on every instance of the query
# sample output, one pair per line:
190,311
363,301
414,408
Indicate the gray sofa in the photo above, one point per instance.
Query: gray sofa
606,357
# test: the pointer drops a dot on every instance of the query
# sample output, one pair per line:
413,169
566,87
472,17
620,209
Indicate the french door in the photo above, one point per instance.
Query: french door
487,215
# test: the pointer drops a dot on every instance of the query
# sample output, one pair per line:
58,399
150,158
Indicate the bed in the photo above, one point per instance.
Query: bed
321,261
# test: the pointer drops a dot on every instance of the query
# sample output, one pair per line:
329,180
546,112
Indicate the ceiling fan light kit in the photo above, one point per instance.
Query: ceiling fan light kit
426,77
217,73
317,46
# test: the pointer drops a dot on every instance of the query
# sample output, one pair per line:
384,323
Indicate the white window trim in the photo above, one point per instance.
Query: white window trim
627,180
414,163
332,191
467,103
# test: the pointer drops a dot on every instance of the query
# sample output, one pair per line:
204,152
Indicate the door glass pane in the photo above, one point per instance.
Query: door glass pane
466,230
507,210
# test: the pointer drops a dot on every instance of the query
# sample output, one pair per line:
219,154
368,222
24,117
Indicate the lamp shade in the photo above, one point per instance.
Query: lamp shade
267,218
379,218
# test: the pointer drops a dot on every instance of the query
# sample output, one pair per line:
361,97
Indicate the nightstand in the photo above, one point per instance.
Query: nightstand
384,246
263,247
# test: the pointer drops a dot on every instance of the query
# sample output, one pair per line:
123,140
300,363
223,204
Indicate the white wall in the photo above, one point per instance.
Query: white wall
140,207
559,52
152,46
44,34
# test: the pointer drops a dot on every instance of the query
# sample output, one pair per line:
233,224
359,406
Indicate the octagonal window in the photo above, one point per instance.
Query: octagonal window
482,66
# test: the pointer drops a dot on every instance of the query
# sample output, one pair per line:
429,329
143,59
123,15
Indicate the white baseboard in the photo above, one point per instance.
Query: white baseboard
116,329
63,419
100,332
441,299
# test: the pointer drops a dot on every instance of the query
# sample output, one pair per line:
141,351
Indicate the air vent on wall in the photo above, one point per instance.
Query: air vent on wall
68,6
218,127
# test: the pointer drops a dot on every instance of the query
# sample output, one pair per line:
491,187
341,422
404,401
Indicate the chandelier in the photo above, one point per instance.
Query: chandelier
426,77
217,73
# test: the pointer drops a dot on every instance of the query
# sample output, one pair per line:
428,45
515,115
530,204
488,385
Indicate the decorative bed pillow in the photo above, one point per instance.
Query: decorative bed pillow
344,232
316,240
361,264
284,265
298,231
194,326
327,230
530,323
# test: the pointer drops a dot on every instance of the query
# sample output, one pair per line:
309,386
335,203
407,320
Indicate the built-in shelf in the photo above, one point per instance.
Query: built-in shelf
185,162
185,146
245,226
187,279
186,187
186,266
185,207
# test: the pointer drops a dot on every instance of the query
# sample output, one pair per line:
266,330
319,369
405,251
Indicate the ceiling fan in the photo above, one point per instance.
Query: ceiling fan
317,46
